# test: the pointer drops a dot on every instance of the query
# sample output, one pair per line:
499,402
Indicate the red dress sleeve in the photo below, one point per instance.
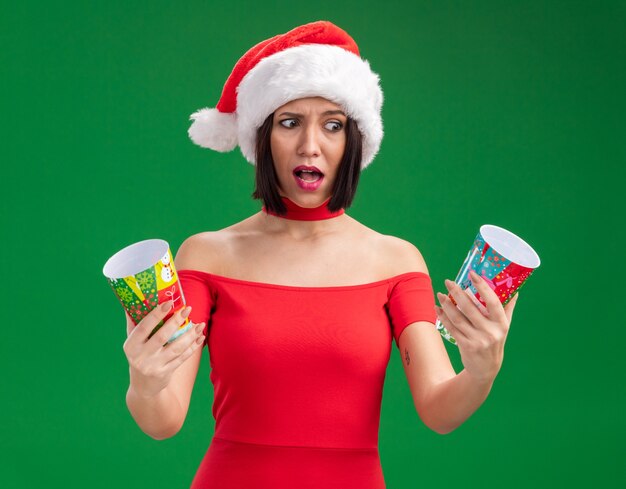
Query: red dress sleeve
411,299
198,295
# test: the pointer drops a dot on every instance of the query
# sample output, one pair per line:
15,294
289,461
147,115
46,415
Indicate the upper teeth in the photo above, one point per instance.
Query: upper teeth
308,171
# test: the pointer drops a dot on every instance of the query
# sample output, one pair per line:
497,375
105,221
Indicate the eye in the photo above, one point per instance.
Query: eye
286,120
338,125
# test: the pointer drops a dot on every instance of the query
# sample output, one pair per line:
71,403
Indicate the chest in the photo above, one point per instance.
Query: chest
284,329
321,263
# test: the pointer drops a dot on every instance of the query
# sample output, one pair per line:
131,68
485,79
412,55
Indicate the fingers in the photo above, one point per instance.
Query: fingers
468,317
180,350
452,318
162,336
455,332
467,312
493,304
150,321
510,306
130,325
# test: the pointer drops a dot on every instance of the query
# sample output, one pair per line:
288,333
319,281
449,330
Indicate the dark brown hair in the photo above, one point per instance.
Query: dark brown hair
344,188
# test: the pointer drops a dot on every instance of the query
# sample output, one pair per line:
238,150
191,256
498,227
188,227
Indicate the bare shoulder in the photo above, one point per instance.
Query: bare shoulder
401,255
203,251
393,255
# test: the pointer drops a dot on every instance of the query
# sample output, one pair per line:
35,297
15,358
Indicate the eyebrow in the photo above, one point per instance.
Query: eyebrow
328,112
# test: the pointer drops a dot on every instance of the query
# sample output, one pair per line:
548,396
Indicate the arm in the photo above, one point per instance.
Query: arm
160,416
163,415
427,368
444,399
453,401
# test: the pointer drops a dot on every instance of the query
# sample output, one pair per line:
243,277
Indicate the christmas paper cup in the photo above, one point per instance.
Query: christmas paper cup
143,276
502,259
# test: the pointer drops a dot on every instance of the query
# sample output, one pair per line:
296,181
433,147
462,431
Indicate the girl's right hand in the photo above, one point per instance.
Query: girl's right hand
151,360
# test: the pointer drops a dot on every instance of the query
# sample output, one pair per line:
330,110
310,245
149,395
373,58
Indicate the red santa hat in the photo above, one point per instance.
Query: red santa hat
313,60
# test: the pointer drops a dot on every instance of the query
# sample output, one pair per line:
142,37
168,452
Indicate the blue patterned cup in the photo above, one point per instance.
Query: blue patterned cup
502,259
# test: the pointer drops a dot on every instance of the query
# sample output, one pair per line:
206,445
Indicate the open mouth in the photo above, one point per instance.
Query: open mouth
308,175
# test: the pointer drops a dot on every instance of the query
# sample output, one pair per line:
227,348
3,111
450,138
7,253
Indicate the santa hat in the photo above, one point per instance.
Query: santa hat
313,60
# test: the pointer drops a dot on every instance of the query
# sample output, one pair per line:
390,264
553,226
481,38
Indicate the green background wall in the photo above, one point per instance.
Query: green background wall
507,113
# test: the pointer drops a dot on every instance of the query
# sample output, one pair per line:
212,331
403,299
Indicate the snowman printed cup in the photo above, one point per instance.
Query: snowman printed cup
502,259
143,276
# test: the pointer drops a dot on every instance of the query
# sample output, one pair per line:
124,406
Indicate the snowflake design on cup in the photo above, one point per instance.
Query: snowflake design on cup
145,280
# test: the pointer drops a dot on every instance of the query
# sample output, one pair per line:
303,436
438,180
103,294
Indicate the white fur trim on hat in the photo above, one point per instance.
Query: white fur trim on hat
214,129
311,70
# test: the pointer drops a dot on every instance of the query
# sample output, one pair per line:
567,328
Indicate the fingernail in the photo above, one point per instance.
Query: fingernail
167,306
186,311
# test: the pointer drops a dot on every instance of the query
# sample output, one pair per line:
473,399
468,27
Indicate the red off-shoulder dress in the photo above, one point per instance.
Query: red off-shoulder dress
298,377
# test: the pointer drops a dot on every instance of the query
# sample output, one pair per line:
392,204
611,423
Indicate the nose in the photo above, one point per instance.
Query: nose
309,143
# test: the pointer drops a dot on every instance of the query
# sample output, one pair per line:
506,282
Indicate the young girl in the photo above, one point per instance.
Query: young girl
299,303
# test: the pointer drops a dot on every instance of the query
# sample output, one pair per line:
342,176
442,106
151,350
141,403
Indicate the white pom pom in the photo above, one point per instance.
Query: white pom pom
214,129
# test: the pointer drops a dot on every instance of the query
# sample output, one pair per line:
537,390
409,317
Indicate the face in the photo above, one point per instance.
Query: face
308,132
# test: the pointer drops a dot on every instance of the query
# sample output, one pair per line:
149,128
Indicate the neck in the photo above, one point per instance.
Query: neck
304,222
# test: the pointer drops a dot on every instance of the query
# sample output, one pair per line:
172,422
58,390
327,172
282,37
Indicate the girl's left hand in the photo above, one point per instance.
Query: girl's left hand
480,337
